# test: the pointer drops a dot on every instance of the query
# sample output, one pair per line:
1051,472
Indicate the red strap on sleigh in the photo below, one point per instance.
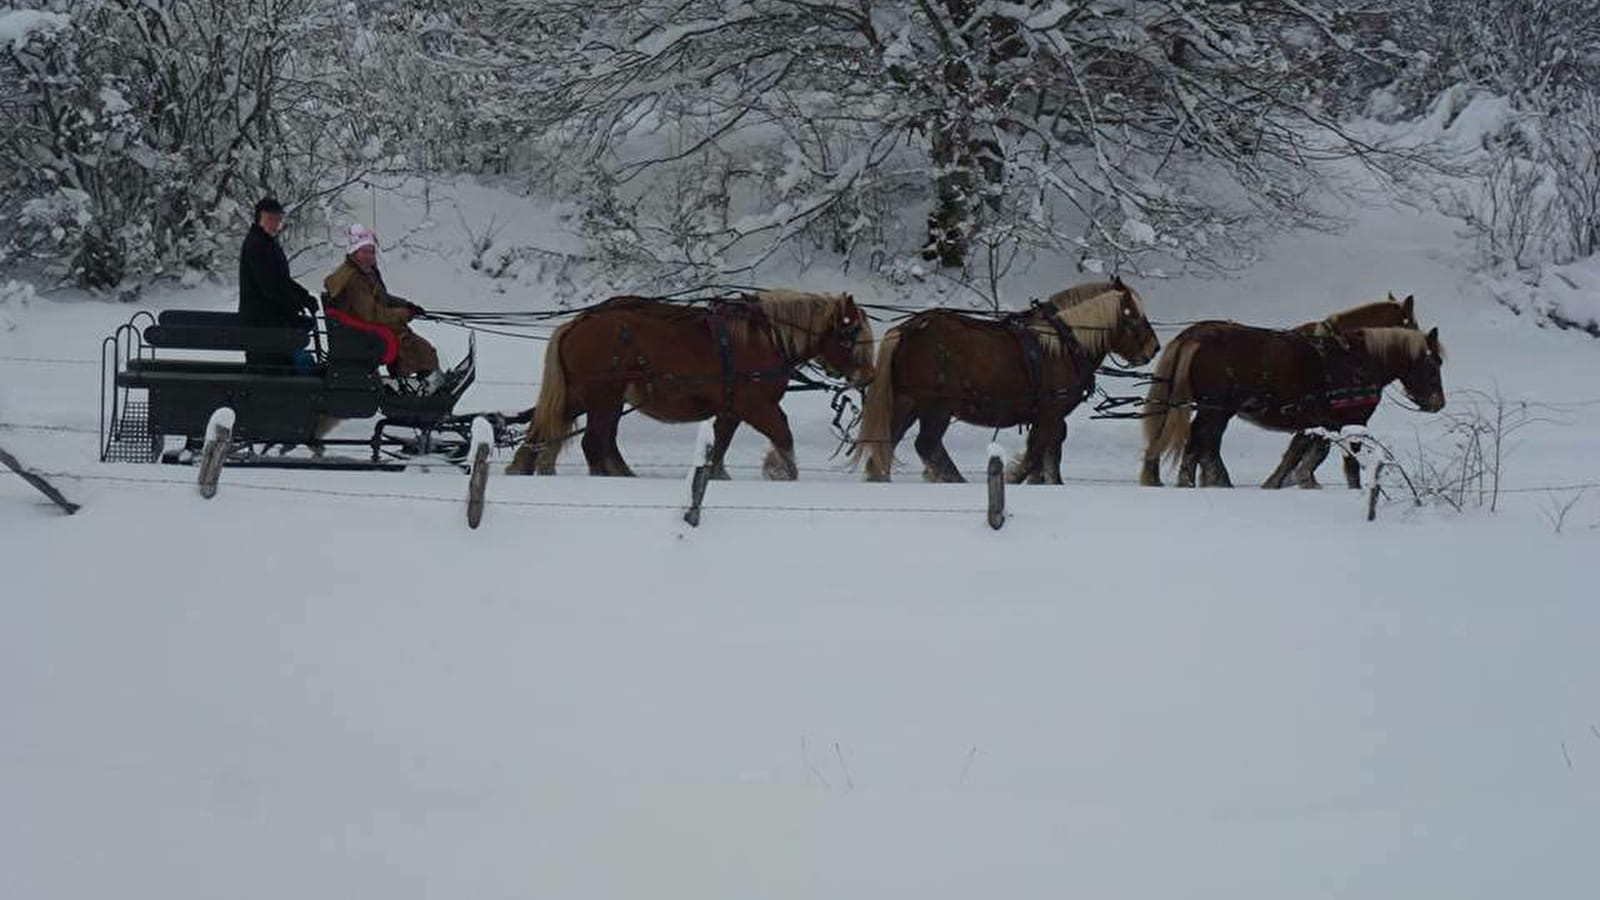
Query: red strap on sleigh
391,344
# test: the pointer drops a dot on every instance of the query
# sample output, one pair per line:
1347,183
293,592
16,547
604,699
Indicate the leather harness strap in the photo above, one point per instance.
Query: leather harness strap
1069,342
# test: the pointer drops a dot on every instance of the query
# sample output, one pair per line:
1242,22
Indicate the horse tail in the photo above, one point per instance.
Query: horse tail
552,424
873,445
1166,415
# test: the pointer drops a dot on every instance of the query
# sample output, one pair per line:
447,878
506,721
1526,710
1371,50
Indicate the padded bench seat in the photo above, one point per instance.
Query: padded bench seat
147,372
226,337
351,342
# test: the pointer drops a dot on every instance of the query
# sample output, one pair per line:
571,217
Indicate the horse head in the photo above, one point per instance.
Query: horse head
1423,378
844,344
1133,338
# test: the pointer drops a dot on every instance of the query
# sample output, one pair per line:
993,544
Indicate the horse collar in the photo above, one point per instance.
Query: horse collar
1069,341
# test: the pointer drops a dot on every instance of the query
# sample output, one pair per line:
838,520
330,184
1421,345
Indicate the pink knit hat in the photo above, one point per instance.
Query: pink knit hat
360,236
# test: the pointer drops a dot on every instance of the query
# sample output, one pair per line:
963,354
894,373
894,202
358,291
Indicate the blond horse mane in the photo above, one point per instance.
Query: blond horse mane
797,320
1091,316
1397,345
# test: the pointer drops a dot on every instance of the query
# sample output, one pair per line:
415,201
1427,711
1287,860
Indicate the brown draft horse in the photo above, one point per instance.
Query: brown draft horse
1305,451
679,362
1031,367
1280,380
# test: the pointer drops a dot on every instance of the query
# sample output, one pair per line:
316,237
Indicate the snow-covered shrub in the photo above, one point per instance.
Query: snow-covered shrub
14,299
1543,51
1536,199
1569,147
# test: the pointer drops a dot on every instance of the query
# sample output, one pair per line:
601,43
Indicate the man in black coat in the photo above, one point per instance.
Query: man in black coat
268,295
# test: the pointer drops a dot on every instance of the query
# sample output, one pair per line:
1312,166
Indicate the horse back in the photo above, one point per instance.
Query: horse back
1233,362
985,371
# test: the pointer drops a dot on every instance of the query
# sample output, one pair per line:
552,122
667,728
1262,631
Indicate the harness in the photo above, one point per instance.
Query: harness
1346,384
1348,397
1021,327
717,321
1032,356
1069,341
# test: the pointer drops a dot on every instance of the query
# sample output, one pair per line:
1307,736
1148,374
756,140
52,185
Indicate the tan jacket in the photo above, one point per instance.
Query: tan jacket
364,296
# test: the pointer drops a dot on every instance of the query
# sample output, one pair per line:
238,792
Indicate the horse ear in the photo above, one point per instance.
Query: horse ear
1433,337
1116,282
1409,304
1392,297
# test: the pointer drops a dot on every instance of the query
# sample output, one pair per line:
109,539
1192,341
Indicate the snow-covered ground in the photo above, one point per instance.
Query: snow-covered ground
322,685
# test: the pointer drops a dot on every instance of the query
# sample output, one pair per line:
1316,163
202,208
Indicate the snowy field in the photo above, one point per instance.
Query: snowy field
321,685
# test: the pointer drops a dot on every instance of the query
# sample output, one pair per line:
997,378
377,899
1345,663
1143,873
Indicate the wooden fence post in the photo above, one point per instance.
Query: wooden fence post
997,486
700,475
478,478
37,480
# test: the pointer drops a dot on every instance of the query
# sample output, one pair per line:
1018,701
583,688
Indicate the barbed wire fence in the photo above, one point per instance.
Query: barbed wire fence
1463,469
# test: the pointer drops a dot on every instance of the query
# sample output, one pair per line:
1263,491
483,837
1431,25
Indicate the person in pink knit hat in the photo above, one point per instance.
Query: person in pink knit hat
357,288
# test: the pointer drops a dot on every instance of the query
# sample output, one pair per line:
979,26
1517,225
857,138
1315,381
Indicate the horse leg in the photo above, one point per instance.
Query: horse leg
1150,473
769,419
1028,466
1352,466
523,461
1189,461
615,464
600,437
1040,453
1052,455
543,461
538,453
930,446
1291,457
722,428
1208,427
1306,472
594,445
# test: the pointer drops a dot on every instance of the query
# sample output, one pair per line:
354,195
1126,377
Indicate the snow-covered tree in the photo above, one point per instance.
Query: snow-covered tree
1105,128
135,135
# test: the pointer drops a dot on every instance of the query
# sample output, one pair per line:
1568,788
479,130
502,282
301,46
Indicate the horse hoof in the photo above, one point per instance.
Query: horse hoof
778,467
